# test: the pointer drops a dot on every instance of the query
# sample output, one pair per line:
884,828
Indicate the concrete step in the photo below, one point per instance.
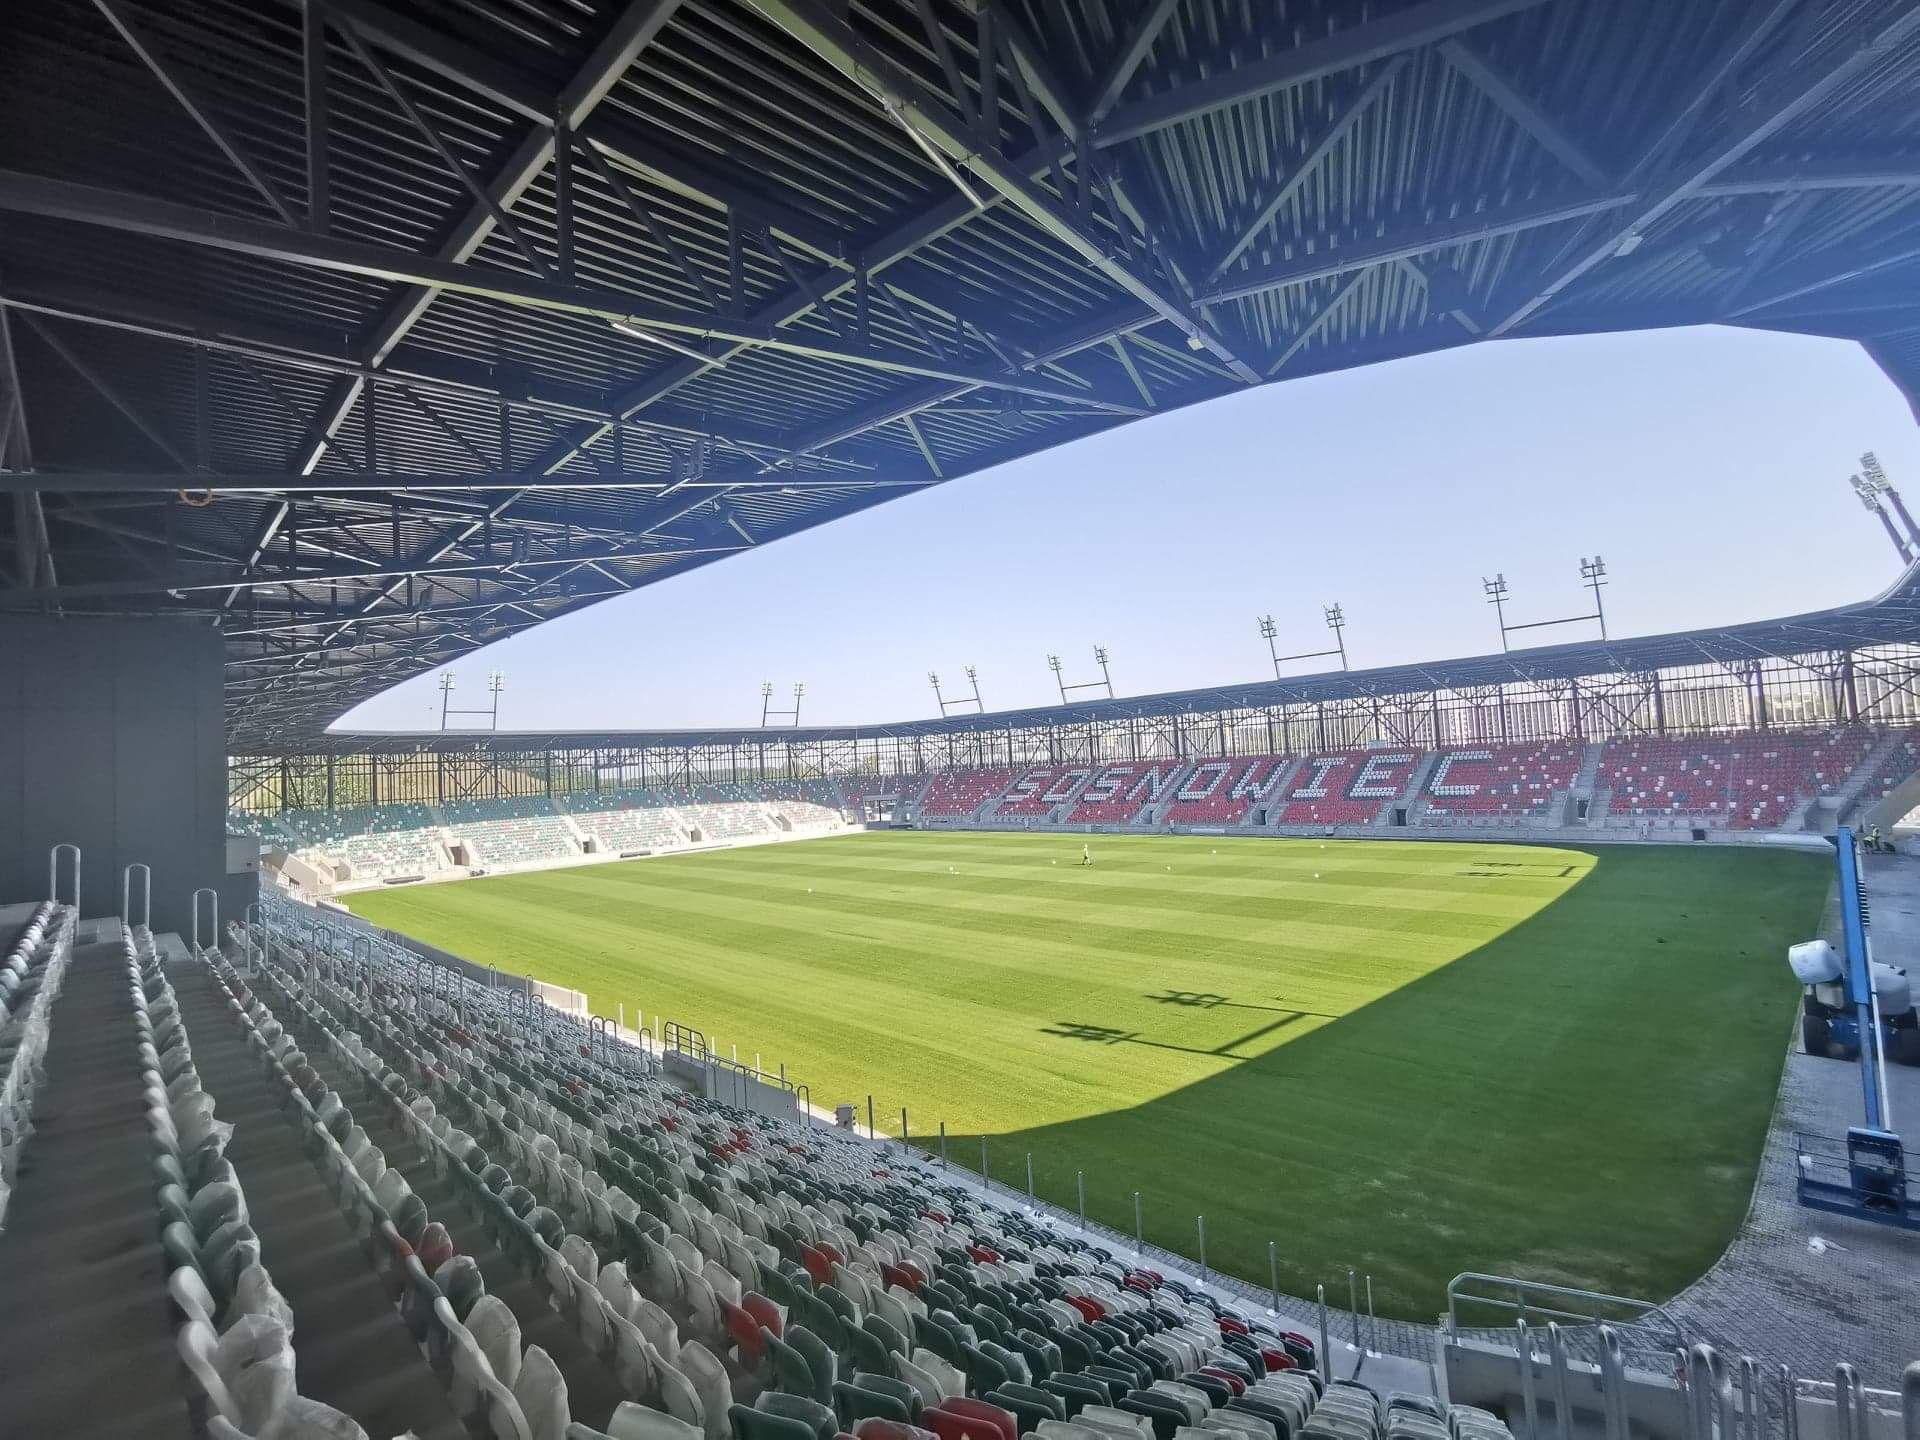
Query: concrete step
86,1314
355,1352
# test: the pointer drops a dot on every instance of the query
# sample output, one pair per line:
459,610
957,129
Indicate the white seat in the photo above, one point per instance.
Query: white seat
617,1290
578,1252
195,1342
950,1378
662,1332
541,1392
1120,1422
679,1396
633,1359
496,1331
643,1422
709,1380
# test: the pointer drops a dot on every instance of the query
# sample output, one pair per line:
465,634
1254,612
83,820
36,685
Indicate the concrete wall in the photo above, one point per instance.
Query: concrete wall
112,738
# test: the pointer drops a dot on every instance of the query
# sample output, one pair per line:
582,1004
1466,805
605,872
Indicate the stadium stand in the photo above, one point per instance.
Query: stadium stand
1346,787
1754,780
727,821
1499,782
1118,793
628,821
374,841
1900,763
961,793
601,1269
1220,791
523,830
1040,788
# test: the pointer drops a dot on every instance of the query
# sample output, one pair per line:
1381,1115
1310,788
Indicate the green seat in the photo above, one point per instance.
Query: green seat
1028,1412
888,1384
984,1373
930,1334
821,1318
1075,1353
1009,1360
821,1363
1042,1355
749,1424
884,1331
790,1279
867,1353
800,1410
853,1404
1076,1392
840,1303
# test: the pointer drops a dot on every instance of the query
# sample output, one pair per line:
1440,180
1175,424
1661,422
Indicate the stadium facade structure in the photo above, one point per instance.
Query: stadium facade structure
374,333
1857,665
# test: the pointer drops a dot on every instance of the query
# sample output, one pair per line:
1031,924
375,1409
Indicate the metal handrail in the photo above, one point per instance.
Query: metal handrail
146,896
1643,1310
213,897
53,875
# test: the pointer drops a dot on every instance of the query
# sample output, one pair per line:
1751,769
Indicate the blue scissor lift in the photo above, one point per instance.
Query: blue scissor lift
1870,1180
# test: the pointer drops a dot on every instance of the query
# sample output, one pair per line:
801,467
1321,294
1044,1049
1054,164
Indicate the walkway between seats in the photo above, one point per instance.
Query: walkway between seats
86,1327
592,1392
352,1350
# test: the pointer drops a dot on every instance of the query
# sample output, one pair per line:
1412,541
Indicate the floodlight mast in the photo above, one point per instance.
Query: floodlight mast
1100,656
768,714
1336,622
496,682
961,702
1876,492
1593,574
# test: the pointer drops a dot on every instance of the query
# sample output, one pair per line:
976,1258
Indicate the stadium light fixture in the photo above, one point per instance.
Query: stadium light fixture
768,713
1593,574
1875,490
496,682
1105,682
948,706
1336,621
654,337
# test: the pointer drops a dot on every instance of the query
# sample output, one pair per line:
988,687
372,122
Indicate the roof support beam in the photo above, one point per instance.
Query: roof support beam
1791,93
122,21
222,334
81,482
632,31
123,211
1133,50
1263,213
828,35
1405,242
1481,71
1371,40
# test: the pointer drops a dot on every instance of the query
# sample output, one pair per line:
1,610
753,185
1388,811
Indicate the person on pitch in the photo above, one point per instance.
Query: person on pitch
1086,854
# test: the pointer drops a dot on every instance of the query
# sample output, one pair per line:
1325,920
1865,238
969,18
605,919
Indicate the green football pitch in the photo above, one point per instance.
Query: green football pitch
1412,1058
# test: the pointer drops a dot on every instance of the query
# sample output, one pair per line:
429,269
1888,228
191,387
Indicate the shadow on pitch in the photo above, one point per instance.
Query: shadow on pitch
1480,1117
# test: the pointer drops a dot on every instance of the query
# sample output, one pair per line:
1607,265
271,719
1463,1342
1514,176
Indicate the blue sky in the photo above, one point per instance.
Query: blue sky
1706,465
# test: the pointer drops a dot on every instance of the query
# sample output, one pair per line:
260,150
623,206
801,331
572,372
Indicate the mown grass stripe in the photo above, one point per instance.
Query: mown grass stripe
1431,1058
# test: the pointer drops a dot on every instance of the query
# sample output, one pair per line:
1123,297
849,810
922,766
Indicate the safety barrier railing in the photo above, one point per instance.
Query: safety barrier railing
53,875
146,896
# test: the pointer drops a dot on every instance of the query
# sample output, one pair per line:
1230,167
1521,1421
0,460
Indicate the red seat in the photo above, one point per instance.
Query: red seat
763,1310
745,1331
953,1419
1231,1326
1227,1378
905,1276
436,1247
1090,1310
818,1265
1277,1360
984,1254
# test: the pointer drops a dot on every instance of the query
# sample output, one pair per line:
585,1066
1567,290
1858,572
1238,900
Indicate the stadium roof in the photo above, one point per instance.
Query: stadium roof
1891,618
447,317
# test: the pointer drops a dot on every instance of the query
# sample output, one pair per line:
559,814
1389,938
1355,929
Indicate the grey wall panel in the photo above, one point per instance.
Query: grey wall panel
111,737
